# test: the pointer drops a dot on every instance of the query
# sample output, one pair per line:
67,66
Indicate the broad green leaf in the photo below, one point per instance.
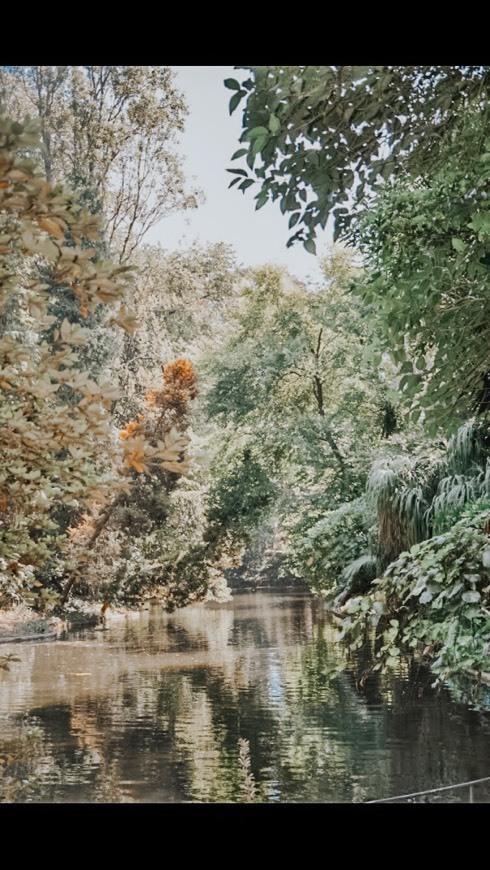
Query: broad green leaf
274,124
471,596
310,246
261,200
243,186
235,101
258,143
257,132
458,245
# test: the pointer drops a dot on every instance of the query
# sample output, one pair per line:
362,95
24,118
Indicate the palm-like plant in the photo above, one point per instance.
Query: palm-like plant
417,496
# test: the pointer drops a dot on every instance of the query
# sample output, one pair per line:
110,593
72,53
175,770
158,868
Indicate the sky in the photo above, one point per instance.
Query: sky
210,139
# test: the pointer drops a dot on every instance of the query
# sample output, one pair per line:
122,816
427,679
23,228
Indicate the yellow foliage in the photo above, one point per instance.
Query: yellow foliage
50,446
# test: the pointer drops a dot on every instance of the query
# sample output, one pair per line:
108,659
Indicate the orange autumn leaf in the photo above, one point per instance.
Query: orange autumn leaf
52,227
134,459
180,386
130,431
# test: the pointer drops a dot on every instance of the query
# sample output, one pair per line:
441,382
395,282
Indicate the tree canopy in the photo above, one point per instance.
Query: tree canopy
110,133
318,138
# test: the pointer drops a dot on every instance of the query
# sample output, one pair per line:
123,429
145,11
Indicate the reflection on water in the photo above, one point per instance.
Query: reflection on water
225,703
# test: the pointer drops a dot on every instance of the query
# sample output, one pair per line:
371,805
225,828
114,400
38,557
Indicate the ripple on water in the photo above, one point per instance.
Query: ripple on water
224,704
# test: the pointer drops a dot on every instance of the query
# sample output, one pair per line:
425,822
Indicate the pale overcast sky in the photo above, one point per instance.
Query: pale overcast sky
210,139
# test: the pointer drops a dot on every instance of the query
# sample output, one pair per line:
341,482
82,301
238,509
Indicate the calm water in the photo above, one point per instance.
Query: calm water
229,703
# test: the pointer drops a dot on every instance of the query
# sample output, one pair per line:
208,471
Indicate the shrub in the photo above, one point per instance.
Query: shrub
433,600
320,552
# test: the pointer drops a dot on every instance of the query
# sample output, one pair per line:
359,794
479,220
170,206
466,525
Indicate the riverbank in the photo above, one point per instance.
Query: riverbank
22,623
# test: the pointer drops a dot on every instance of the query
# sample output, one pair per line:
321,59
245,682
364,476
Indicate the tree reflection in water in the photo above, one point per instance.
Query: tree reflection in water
185,707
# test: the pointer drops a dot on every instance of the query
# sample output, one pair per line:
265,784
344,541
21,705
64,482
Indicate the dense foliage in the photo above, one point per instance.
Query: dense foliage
83,510
322,551
55,421
109,132
399,157
342,425
434,600
427,249
319,138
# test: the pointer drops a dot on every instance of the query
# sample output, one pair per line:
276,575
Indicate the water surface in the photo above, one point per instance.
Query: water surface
228,703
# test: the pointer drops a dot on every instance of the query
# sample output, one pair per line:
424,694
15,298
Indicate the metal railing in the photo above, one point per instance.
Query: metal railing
469,785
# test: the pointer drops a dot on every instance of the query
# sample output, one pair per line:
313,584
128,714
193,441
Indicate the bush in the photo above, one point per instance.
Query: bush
321,552
433,600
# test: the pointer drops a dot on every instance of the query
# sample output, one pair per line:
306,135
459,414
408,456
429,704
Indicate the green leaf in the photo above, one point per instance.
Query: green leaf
234,101
471,597
274,124
243,186
238,172
261,200
258,143
255,132
293,220
458,245
425,597
232,84
310,246
240,153
387,170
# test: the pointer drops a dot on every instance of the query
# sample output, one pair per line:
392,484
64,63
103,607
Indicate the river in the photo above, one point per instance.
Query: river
226,703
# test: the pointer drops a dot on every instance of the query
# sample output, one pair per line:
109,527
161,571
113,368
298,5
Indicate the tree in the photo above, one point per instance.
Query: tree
319,138
119,548
182,298
427,251
399,156
290,381
54,420
293,390
109,132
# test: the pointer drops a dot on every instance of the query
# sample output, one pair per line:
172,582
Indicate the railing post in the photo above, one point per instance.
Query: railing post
472,795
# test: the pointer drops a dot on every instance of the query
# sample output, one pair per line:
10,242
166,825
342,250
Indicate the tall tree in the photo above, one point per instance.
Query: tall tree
290,380
427,251
182,298
399,156
110,132
54,419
